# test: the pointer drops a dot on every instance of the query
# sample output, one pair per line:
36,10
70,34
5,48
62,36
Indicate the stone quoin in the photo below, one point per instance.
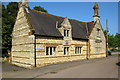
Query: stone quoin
40,38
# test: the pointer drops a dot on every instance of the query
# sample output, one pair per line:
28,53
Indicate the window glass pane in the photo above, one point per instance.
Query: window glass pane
64,50
67,50
47,51
64,32
80,49
67,33
75,50
54,49
50,50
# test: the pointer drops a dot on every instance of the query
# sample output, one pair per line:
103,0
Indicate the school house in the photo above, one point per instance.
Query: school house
40,38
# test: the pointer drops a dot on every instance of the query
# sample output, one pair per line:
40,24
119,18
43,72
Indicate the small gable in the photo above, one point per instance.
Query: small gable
45,25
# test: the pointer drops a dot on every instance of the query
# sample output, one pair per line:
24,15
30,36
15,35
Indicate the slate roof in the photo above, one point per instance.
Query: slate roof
90,26
45,25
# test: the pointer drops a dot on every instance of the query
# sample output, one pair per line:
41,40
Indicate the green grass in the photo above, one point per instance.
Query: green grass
115,50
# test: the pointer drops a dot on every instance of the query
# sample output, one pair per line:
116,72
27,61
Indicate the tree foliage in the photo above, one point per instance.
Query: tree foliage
117,40
113,40
38,8
9,14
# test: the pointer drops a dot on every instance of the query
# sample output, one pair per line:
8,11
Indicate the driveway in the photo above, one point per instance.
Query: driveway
94,68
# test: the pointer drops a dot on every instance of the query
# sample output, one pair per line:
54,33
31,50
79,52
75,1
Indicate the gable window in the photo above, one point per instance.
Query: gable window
66,33
98,31
50,50
98,48
78,50
66,50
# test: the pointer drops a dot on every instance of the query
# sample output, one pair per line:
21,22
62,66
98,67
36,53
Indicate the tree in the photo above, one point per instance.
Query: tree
117,39
9,14
8,21
111,41
38,8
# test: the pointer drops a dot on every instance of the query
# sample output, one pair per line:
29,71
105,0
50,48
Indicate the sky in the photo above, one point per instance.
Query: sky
83,11
63,0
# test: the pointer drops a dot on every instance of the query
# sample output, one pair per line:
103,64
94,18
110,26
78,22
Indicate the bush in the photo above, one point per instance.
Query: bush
109,52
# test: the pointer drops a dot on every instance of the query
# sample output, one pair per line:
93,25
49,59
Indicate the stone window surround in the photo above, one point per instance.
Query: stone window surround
78,50
66,50
98,31
50,50
66,33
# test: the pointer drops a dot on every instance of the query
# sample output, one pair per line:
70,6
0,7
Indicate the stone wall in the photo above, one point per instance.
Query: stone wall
43,42
22,42
97,48
23,45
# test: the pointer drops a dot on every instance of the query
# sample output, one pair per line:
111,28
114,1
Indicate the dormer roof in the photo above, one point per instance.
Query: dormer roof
45,25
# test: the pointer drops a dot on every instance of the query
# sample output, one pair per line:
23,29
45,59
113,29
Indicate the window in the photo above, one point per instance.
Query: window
54,50
78,50
47,49
66,33
98,49
98,31
66,50
50,50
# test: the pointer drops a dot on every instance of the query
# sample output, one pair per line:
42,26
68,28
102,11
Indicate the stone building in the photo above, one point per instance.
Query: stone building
40,38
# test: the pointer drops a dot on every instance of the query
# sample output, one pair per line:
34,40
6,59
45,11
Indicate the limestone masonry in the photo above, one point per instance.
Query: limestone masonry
40,38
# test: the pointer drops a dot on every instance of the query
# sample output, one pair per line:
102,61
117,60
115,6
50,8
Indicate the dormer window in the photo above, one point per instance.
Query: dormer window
66,33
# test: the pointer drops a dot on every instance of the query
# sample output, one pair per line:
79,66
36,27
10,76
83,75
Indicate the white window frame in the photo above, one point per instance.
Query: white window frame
66,50
78,50
51,51
66,32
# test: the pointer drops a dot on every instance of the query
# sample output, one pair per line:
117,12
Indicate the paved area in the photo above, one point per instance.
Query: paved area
94,68
98,69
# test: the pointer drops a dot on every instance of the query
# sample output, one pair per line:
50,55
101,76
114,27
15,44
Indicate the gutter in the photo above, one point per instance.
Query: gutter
35,51
87,44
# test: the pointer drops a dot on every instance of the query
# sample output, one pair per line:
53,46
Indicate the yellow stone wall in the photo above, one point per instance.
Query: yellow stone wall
93,36
22,43
42,58
23,46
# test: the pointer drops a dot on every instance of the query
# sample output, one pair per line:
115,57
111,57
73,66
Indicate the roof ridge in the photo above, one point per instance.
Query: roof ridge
46,13
58,16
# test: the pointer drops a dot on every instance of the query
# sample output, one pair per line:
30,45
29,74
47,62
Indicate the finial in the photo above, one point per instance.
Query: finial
24,2
95,6
66,17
